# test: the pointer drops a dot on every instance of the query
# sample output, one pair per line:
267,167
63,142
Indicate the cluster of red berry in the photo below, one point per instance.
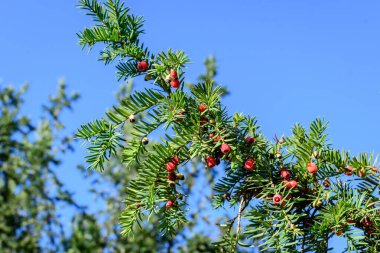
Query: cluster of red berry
214,159
171,79
223,152
171,168
225,149
366,224
291,184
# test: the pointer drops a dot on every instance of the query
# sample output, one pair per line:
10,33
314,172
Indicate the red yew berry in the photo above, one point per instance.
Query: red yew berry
172,176
249,164
366,222
173,74
202,107
175,160
293,184
290,184
326,183
350,221
142,66
249,140
170,203
175,83
348,170
312,168
285,174
170,167
339,233
225,148
210,161
277,198
216,138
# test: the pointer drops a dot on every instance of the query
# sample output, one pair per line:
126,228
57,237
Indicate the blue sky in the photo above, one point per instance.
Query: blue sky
283,61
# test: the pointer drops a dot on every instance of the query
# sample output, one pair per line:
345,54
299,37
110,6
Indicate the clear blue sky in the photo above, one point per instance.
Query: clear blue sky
283,61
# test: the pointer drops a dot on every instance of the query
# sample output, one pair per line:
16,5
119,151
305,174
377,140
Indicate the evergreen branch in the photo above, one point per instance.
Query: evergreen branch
96,34
282,180
94,9
93,129
138,102
104,141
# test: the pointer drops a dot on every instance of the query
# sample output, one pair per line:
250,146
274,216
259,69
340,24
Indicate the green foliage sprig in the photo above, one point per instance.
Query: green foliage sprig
290,192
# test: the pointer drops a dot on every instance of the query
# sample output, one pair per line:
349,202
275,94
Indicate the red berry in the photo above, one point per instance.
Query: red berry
175,83
172,176
277,199
170,167
175,160
225,148
142,66
249,140
170,203
312,167
349,170
326,183
216,138
366,222
285,174
210,161
290,184
339,233
350,221
202,107
293,184
173,74
249,164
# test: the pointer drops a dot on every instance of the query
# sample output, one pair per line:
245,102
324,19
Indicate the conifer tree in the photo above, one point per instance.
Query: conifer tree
290,195
30,190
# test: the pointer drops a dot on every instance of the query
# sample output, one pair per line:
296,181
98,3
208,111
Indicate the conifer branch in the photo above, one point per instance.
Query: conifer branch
292,185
